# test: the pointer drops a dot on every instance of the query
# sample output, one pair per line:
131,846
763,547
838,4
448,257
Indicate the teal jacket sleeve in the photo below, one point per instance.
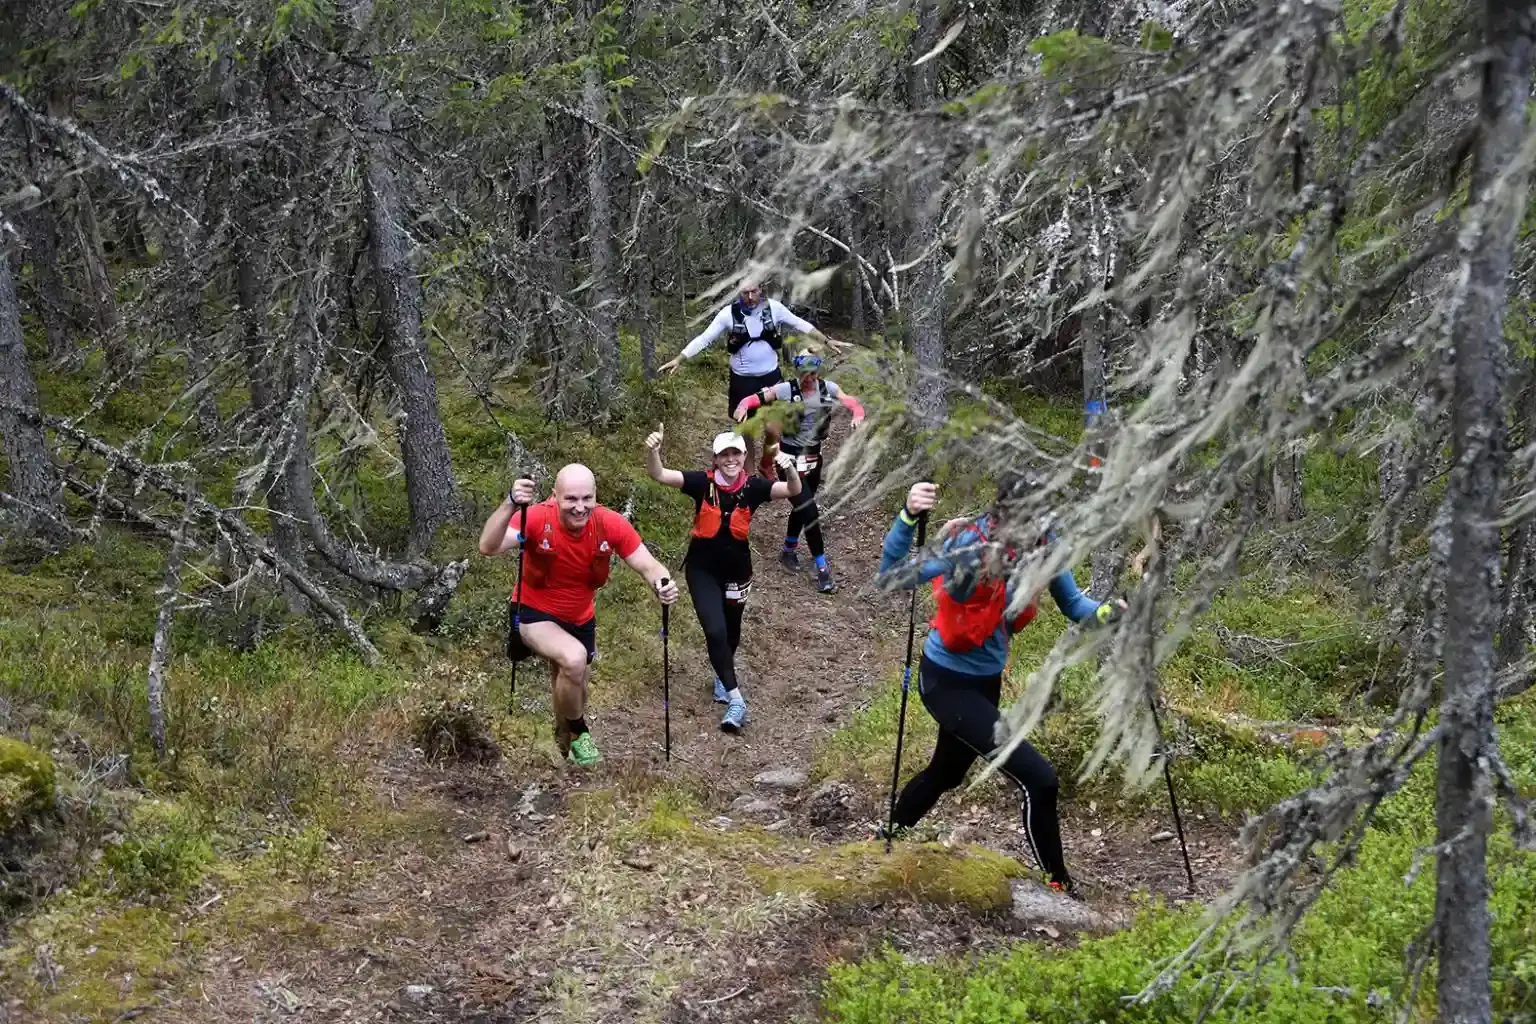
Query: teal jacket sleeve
955,562
1074,604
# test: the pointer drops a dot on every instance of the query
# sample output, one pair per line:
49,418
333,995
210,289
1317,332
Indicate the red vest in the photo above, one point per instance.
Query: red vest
966,625
706,525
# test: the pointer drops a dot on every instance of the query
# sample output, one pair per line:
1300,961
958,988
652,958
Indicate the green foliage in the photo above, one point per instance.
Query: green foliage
164,853
26,783
1155,37
1348,956
289,17
300,854
1067,53
860,751
1293,654
1385,85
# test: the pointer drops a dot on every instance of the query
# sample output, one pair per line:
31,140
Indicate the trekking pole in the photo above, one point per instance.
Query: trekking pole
906,683
1173,801
514,641
666,678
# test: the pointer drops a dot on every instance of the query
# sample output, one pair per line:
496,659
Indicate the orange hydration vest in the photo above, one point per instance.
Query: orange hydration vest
966,625
706,524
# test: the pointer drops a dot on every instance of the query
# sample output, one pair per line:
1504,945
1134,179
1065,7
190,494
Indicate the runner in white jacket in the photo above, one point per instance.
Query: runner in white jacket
754,327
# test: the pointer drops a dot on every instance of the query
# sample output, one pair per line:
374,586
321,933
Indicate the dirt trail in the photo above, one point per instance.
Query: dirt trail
806,660
513,901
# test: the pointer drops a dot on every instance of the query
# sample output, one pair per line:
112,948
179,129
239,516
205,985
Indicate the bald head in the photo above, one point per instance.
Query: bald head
575,496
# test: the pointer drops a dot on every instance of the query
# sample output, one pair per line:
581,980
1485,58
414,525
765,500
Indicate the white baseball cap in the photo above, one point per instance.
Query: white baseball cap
729,439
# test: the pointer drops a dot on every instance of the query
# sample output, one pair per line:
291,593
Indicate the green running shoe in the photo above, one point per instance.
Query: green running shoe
584,752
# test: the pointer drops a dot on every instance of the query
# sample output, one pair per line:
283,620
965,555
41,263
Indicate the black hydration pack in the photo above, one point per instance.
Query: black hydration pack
824,418
739,335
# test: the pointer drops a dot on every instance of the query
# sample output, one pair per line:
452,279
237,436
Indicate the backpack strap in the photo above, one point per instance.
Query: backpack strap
770,329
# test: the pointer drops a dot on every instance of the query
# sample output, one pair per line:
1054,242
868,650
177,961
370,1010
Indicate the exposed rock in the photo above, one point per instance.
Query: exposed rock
1039,906
753,806
833,801
781,778
1162,837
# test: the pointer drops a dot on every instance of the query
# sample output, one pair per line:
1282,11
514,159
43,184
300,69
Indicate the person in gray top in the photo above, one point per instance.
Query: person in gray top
818,399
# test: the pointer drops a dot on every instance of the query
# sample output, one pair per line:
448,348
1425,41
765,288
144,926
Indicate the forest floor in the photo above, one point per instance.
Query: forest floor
647,890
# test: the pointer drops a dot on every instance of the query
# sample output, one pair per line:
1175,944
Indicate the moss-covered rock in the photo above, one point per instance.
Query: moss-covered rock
26,783
929,872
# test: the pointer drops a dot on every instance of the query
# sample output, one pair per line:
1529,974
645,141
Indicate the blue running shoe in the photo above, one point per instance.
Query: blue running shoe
720,697
735,716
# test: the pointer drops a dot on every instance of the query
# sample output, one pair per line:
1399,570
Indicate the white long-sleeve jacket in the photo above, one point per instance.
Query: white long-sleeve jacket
755,357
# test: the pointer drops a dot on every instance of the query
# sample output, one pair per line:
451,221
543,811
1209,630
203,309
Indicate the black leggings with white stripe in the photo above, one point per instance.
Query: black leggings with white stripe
966,708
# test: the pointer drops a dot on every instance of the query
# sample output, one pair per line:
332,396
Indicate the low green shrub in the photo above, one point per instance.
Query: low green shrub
164,853
1347,961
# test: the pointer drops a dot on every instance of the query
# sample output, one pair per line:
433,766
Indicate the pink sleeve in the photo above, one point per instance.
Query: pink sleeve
751,402
853,404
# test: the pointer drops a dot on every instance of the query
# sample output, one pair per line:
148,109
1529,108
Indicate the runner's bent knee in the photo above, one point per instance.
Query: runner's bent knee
565,652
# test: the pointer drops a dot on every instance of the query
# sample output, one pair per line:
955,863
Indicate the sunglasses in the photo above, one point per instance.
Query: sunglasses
807,362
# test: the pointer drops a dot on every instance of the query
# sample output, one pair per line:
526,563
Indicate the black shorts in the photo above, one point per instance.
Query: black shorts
586,632
742,386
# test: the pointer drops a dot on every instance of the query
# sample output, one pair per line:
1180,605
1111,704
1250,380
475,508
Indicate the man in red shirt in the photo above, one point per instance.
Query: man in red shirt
571,543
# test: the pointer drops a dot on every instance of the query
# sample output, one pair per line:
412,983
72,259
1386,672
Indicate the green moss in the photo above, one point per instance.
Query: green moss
88,958
669,819
928,872
26,783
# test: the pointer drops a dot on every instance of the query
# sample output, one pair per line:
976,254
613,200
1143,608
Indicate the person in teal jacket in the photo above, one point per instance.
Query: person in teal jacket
962,689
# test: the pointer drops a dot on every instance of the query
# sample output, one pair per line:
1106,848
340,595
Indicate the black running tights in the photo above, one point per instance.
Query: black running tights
805,515
966,708
720,618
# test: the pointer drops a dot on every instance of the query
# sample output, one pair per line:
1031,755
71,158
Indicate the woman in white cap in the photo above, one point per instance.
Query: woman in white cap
718,565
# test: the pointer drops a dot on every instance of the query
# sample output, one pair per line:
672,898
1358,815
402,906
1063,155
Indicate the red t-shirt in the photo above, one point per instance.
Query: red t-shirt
561,570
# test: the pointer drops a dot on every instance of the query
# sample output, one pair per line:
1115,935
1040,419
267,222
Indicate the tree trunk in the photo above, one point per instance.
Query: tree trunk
1102,578
924,294
429,483
1285,487
104,315
160,648
600,250
34,480
266,391
555,219
1389,466
40,230
1514,619
1464,791
647,324
856,274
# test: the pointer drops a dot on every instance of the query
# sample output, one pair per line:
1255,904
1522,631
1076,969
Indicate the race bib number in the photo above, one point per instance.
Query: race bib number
737,592
806,463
